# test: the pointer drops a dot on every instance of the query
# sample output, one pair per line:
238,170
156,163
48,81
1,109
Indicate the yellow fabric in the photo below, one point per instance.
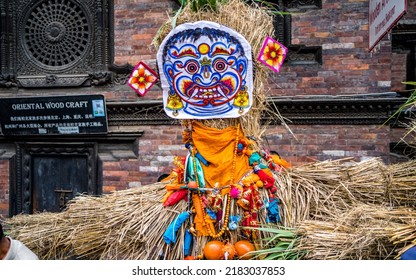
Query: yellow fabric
165,197
278,160
218,148
173,187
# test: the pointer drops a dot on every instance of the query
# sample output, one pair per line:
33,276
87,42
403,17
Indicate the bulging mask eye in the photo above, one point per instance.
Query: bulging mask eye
192,67
220,65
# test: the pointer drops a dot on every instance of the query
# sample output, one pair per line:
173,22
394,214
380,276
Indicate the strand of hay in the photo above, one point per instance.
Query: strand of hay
405,236
364,232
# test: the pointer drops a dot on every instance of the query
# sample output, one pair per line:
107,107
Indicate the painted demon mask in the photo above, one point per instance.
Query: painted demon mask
206,72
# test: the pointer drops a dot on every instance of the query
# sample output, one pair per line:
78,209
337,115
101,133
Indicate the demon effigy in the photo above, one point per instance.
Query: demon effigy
227,181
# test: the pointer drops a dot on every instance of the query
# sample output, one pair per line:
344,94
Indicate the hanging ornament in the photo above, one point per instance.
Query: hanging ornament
280,161
272,54
142,78
170,234
272,207
187,243
175,197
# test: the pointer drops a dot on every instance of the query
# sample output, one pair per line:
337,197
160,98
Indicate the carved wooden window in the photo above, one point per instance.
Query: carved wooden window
298,54
55,43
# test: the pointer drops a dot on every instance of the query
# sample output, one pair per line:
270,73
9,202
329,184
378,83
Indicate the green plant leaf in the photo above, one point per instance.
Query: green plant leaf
183,2
410,102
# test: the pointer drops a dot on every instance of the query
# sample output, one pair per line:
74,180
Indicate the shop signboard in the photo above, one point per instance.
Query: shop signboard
382,16
53,115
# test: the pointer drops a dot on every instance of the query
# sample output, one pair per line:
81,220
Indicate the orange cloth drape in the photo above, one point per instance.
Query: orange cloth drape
217,146
201,221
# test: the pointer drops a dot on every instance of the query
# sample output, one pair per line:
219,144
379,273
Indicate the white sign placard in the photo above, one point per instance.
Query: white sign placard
382,15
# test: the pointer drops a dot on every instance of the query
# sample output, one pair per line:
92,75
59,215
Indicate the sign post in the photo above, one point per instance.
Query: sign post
382,16
55,115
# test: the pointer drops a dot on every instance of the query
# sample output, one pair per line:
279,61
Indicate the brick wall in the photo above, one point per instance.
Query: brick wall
136,24
4,188
398,73
121,174
341,28
157,148
398,65
309,143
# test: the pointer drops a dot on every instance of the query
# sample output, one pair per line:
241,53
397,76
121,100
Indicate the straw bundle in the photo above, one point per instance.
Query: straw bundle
310,189
126,224
316,189
119,223
347,210
368,181
340,208
363,232
42,233
402,187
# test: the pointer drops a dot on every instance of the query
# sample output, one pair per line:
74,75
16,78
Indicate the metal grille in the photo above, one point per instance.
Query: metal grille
57,33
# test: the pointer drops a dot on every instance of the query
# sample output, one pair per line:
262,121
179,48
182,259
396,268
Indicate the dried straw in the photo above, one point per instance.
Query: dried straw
340,214
42,233
126,224
363,232
315,190
349,210
402,188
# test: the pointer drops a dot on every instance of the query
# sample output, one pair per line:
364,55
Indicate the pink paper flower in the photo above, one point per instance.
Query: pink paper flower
272,54
142,79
